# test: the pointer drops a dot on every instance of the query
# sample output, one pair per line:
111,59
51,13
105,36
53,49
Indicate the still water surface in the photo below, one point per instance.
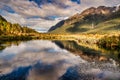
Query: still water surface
44,60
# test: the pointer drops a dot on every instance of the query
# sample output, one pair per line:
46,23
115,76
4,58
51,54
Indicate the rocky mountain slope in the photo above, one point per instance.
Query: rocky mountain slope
92,20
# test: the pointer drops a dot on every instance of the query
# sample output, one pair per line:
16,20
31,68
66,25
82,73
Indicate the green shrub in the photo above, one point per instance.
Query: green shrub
110,43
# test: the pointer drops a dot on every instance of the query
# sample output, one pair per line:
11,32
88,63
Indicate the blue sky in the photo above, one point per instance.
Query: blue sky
40,2
46,13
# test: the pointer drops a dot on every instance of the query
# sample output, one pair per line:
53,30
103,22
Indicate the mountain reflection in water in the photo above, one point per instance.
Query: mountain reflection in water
90,52
44,60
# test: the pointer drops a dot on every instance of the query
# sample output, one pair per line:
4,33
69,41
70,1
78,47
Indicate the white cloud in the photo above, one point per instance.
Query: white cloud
58,7
26,54
13,17
41,25
29,9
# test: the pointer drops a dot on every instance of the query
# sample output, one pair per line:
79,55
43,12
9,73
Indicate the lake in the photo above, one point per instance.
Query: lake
47,60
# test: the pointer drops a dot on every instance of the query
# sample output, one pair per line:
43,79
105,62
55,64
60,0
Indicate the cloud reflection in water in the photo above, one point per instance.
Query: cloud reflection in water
43,60
44,57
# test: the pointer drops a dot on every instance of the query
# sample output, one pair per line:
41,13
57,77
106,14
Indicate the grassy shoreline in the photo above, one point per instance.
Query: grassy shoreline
103,41
6,38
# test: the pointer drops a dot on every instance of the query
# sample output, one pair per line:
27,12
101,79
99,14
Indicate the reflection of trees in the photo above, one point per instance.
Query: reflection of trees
110,43
2,47
7,44
86,52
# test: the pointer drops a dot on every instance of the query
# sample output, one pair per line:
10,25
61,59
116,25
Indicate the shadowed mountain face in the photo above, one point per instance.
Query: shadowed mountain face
58,25
90,20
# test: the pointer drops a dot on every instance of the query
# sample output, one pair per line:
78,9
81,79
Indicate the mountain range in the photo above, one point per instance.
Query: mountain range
92,20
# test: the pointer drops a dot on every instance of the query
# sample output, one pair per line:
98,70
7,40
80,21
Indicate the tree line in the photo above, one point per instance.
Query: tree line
8,28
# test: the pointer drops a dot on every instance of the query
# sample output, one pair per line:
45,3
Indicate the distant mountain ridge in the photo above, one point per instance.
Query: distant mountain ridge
87,20
58,25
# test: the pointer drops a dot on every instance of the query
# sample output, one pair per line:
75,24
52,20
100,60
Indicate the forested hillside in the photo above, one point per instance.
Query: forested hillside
15,32
8,28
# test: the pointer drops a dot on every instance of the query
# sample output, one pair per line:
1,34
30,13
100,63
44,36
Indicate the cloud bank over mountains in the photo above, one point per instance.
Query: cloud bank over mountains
42,8
50,11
